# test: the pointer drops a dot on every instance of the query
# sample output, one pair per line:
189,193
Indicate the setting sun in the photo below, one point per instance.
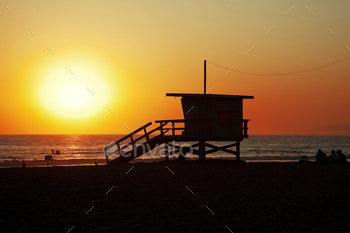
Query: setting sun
74,96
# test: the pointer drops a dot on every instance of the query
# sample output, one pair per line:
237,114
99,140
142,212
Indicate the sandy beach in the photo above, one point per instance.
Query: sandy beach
190,197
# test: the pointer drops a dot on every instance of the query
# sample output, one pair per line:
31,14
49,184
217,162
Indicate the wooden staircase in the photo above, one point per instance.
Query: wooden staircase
126,155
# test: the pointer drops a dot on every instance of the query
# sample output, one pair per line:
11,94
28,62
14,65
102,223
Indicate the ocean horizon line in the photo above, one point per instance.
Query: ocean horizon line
34,134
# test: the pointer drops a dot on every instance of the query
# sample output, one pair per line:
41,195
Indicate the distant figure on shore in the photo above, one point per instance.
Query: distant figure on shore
333,157
321,157
341,158
55,153
24,165
304,159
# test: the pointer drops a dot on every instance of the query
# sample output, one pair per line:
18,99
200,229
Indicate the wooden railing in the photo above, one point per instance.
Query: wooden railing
173,129
245,128
132,138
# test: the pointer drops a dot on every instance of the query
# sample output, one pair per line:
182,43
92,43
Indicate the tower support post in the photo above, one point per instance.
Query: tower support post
238,151
201,150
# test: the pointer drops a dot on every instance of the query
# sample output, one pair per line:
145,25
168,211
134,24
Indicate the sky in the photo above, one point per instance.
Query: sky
101,67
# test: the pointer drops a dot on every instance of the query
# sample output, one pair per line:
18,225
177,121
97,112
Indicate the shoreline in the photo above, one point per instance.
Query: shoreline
43,163
91,162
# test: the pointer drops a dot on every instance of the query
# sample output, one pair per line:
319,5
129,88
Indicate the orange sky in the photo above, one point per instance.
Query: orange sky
130,53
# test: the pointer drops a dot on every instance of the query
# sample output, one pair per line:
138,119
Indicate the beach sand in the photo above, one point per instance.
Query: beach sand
244,197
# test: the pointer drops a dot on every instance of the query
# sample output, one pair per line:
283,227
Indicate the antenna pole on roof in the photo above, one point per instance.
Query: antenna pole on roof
205,77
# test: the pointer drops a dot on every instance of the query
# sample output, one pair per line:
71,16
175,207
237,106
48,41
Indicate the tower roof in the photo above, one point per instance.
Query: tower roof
210,95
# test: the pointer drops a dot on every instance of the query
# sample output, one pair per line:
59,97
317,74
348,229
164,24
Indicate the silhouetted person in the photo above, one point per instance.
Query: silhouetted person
321,157
53,152
57,152
24,165
333,157
304,159
341,158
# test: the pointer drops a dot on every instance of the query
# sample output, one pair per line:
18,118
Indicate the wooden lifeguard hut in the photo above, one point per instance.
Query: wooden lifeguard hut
207,118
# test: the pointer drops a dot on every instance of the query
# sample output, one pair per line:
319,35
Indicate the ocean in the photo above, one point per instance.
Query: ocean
256,148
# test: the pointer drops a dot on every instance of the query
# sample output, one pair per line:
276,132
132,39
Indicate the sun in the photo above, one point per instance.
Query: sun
74,96
77,96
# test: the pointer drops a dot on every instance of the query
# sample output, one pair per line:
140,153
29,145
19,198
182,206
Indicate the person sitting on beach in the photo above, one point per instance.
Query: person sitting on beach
58,152
333,157
304,159
341,158
321,157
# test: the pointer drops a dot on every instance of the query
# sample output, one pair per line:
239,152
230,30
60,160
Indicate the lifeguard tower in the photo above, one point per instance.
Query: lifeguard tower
207,118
